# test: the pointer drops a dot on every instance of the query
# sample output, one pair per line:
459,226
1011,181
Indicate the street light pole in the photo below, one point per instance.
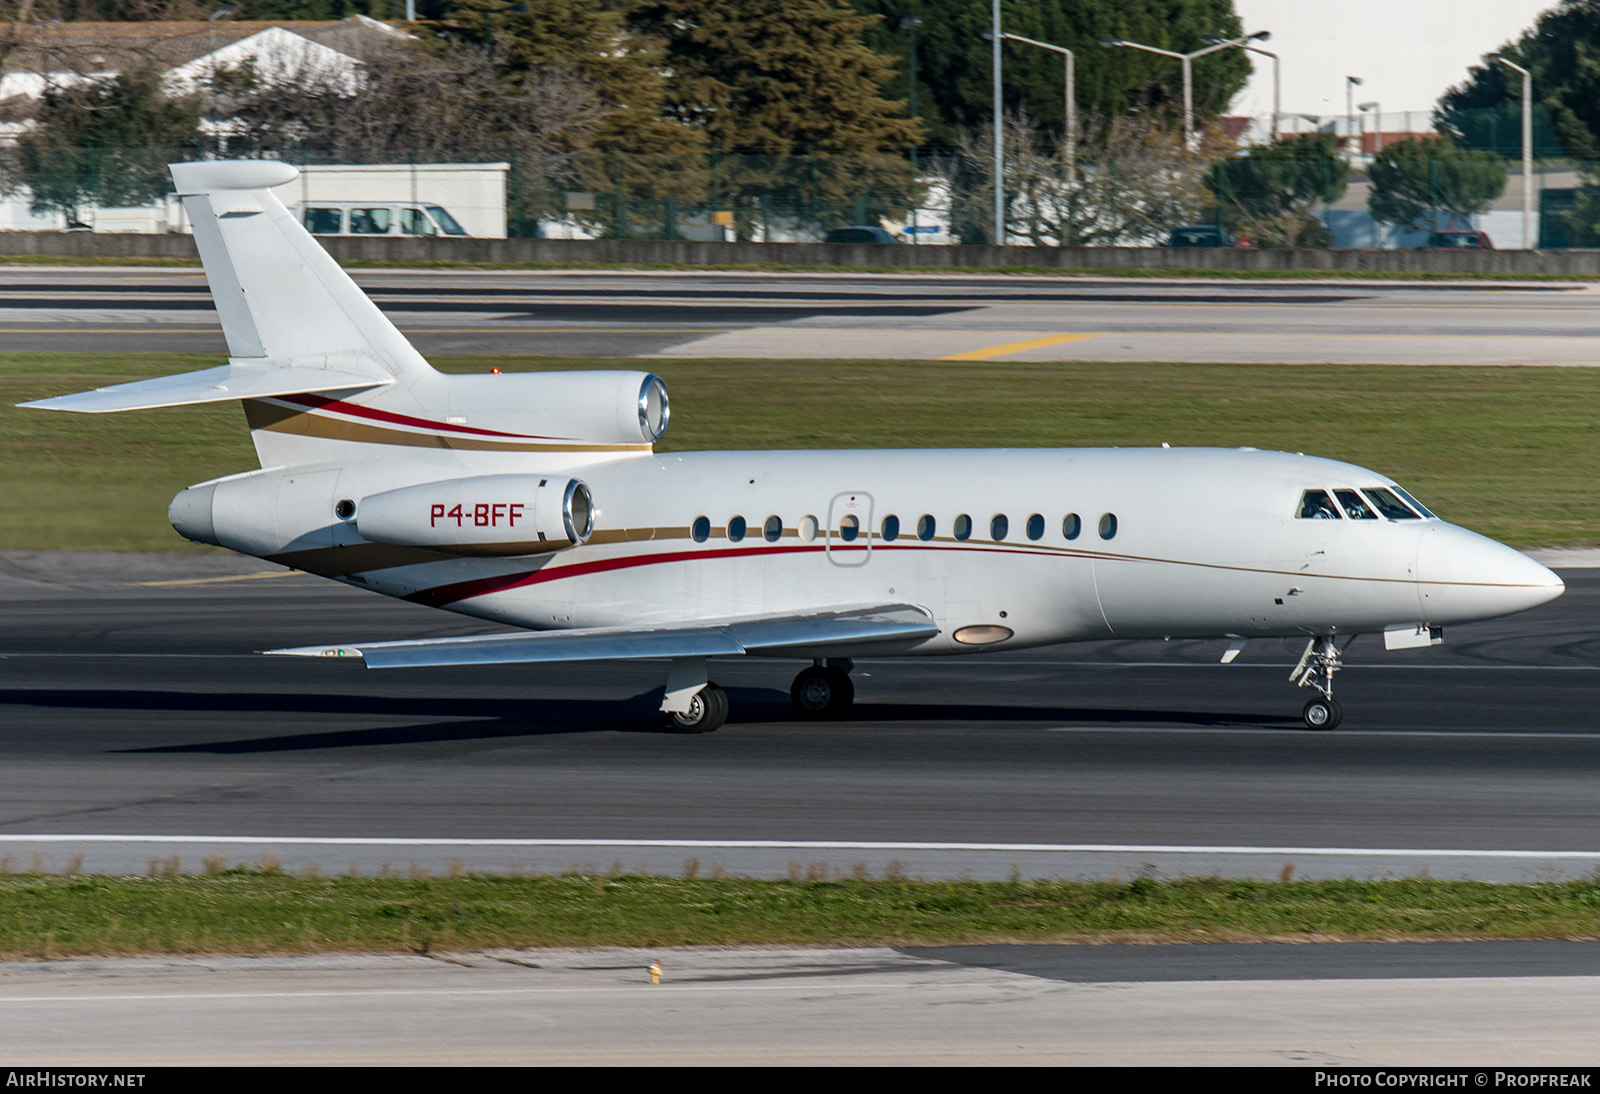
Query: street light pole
1350,85
1528,239
1187,59
1071,115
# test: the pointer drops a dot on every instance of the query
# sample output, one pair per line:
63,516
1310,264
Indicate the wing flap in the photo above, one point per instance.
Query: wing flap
771,635
239,379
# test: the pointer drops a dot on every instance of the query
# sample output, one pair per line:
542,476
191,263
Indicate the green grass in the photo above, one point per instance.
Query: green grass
246,912
1511,452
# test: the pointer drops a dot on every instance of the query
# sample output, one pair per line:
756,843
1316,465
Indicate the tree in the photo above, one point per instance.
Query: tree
1562,51
1414,179
105,141
954,84
789,87
1131,183
1267,194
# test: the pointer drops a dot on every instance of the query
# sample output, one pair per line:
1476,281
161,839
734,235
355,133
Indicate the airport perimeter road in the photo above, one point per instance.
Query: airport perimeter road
139,713
825,315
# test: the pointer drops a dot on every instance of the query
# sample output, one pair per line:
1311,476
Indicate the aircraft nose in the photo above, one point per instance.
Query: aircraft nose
1463,576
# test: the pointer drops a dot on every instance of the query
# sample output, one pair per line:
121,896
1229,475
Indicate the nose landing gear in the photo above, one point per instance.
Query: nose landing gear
1315,670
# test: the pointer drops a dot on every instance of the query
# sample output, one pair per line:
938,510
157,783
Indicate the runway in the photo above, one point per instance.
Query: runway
824,315
134,707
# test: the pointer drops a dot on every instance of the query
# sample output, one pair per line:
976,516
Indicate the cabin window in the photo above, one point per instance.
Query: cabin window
963,527
927,527
1071,526
700,529
1413,502
1355,507
849,527
736,529
891,527
999,527
1387,504
808,528
772,530
1036,526
1108,525
1316,505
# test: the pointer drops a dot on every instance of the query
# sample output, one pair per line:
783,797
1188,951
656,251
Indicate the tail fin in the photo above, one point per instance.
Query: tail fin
294,321
288,300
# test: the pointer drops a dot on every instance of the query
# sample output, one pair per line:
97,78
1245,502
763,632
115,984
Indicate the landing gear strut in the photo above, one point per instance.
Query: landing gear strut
1315,670
824,690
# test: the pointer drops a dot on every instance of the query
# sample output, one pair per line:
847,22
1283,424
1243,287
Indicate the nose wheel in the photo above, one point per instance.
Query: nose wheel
1322,714
823,691
1315,670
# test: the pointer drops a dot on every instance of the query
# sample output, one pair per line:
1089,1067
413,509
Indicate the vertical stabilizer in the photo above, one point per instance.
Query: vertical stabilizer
280,296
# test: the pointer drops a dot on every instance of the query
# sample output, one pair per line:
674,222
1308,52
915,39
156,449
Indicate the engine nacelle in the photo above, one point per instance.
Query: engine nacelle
482,515
611,407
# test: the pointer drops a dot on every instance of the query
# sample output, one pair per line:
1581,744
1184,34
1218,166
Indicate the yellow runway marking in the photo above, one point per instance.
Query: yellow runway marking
1016,347
220,580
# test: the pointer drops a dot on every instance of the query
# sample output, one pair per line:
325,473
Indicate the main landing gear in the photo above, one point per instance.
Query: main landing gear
824,690
1315,670
693,704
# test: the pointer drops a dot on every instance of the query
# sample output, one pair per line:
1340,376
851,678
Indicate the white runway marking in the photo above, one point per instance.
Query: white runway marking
807,845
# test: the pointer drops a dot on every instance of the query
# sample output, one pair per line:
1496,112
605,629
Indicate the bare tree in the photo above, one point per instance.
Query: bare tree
1132,181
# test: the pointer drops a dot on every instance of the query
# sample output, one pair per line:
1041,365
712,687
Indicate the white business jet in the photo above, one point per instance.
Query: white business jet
535,500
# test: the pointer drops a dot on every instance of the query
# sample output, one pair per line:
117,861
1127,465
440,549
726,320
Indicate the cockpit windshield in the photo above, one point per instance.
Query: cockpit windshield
1355,506
1413,502
1367,503
1387,504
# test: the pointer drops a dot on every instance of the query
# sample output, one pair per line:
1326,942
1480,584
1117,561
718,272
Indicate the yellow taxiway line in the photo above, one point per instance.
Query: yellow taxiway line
257,576
1001,350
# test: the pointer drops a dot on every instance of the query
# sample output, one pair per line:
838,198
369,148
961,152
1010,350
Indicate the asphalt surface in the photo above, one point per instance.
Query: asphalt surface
966,1006
136,711
715,314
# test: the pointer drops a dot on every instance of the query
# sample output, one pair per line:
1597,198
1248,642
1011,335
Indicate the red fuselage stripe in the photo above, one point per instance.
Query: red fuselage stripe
315,402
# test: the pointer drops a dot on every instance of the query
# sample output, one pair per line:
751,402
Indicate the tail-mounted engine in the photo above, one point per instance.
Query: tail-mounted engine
482,515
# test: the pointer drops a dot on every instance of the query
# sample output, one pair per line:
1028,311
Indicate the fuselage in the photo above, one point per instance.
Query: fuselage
1003,547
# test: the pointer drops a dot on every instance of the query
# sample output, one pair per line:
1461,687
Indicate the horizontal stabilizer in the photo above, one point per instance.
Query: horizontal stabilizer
237,380
799,635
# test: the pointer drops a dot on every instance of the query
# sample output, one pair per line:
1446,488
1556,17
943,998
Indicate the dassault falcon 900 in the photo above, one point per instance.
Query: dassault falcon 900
536,500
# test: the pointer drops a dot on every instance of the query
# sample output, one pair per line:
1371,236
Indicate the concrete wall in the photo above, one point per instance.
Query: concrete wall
627,252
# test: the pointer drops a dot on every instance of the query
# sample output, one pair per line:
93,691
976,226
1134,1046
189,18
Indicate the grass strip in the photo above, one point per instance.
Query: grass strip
249,912
1508,452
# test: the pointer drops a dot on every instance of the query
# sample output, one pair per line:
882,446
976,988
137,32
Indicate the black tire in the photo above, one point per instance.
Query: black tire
1322,714
707,711
822,693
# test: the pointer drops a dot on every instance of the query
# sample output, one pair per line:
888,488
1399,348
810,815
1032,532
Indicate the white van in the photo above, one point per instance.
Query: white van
377,218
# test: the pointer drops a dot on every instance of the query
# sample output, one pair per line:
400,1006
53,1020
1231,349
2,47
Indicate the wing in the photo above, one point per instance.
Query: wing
799,635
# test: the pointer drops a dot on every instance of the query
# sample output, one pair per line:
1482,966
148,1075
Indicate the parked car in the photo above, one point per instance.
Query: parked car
1458,239
859,233
1201,235
378,218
